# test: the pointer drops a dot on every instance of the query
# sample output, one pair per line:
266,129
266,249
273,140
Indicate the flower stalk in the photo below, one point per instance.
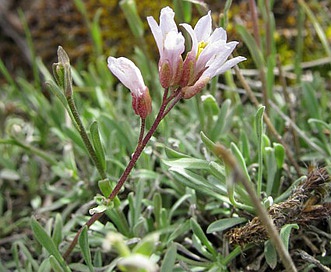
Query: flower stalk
165,108
179,78
62,74
85,138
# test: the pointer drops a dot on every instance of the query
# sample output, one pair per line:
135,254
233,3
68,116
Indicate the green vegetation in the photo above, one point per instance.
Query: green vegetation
185,205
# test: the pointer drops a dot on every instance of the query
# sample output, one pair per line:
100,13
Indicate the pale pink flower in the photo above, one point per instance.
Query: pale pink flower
208,56
130,76
170,43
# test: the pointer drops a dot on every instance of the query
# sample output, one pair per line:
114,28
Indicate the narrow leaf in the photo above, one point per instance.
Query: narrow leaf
174,154
169,259
222,121
84,246
319,30
45,266
96,32
105,187
240,159
98,147
57,232
271,166
56,266
270,254
285,233
197,230
279,154
259,133
157,201
46,241
55,90
188,163
147,245
208,143
252,46
224,224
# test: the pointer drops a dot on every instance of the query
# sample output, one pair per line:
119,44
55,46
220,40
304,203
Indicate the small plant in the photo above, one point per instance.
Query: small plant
202,180
180,78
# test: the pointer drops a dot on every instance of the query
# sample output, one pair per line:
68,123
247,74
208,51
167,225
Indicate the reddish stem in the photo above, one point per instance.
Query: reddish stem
142,142
142,131
253,9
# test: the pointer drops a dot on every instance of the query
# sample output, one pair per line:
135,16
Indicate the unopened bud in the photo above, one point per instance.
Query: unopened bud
62,72
142,105
188,70
191,91
165,74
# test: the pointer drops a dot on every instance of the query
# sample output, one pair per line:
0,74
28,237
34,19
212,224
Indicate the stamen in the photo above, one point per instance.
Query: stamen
201,46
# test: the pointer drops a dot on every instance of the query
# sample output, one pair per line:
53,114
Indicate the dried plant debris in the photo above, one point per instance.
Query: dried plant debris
305,205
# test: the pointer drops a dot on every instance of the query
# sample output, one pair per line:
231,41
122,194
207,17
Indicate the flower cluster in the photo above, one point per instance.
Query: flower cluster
207,58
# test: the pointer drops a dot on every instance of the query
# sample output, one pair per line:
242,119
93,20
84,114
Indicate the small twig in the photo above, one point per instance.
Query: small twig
229,159
266,119
298,130
290,67
288,102
254,16
310,259
269,34
253,10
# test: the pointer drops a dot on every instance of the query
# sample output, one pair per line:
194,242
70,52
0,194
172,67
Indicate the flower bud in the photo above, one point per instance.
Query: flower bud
191,91
142,105
165,74
62,72
129,74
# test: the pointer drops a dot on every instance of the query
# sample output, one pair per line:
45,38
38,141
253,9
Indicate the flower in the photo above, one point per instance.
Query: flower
129,74
208,56
170,43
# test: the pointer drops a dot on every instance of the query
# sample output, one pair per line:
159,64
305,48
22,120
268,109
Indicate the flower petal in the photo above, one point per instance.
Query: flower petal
217,35
214,71
167,25
167,22
173,48
128,73
157,33
203,28
195,41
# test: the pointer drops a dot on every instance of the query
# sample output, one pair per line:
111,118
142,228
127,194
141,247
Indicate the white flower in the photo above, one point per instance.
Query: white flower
170,43
130,76
208,56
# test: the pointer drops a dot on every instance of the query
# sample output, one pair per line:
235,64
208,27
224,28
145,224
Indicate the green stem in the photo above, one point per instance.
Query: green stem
84,136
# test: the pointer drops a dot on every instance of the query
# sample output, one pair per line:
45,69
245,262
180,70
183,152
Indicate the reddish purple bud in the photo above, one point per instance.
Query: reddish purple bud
142,105
165,74
191,91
